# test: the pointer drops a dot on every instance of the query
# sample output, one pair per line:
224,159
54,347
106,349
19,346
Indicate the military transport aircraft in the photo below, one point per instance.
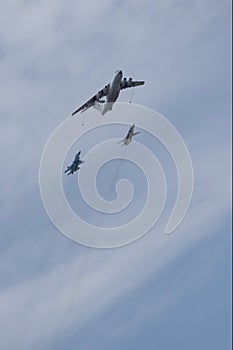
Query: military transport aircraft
75,165
128,138
111,91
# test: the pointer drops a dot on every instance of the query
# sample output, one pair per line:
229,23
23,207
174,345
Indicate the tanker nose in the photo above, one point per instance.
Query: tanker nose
119,72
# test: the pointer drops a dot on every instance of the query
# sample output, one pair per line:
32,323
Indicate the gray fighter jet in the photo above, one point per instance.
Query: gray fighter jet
111,91
75,165
128,138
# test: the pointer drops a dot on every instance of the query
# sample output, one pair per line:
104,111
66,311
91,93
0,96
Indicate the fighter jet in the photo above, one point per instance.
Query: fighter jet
128,138
75,165
111,91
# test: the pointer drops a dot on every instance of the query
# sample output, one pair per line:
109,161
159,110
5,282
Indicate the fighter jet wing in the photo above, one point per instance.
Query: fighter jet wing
96,98
130,83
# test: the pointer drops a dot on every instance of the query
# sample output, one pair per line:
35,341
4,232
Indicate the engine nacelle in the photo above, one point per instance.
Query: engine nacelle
130,82
99,94
105,90
124,83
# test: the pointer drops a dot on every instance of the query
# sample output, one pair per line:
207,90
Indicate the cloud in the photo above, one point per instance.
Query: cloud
53,56
63,297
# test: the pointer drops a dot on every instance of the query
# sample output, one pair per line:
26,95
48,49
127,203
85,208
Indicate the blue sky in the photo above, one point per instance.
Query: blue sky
161,291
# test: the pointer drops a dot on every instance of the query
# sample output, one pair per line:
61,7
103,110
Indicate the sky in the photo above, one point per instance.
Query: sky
161,291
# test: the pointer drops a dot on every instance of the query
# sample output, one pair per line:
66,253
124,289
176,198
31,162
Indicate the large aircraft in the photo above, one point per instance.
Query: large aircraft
111,91
128,138
75,165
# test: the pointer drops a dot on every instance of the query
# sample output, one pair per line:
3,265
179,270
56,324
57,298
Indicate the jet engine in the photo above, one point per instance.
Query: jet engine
123,83
129,82
99,95
105,90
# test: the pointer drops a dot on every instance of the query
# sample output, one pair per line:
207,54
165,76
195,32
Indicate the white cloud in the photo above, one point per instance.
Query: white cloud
83,289
53,55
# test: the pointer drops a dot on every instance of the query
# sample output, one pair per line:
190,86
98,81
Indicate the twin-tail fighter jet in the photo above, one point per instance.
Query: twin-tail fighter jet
111,91
128,138
75,165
